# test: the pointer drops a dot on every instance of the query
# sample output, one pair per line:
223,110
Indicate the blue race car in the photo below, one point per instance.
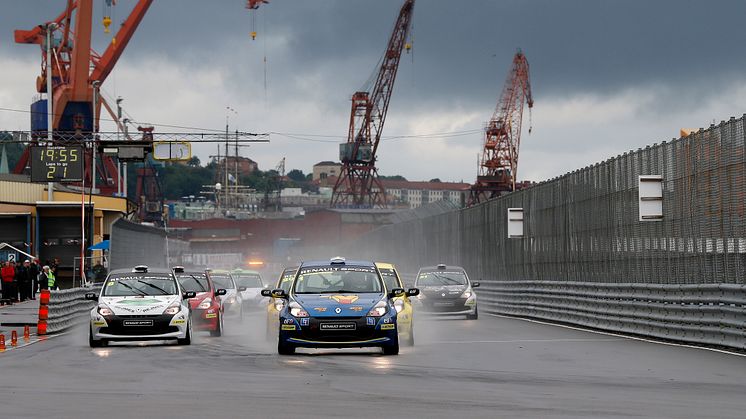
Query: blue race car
338,304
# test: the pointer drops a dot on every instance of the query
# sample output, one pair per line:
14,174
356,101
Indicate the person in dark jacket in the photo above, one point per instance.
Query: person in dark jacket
23,281
34,270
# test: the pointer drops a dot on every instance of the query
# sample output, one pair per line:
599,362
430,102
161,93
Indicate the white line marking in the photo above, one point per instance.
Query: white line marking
659,342
445,342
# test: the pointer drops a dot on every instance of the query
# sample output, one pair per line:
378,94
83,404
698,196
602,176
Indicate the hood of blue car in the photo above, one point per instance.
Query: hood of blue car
338,305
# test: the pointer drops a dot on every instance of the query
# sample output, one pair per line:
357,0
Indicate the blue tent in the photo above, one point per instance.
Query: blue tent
104,245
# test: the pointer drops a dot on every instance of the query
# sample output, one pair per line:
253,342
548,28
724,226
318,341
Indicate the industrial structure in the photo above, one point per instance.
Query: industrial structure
498,164
358,185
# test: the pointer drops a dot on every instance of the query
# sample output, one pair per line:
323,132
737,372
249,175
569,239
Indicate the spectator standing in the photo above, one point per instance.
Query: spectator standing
42,278
8,274
47,276
22,280
34,271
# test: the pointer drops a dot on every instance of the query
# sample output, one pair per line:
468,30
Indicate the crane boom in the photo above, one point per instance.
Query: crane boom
358,184
498,164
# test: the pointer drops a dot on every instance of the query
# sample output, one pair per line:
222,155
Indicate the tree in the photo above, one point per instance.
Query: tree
395,177
296,175
194,162
436,180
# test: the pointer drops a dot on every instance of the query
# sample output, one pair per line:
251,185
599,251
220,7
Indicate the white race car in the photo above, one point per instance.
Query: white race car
140,304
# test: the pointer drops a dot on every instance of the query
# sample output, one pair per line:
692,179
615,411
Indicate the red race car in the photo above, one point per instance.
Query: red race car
207,309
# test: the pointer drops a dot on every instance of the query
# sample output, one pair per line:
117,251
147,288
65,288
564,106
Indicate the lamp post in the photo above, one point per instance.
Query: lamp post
50,116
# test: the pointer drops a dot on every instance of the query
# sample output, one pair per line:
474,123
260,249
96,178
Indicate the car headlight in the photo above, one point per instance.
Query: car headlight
466,294
173,308
279,304
206,303
297,311
378,310
399,305
104,310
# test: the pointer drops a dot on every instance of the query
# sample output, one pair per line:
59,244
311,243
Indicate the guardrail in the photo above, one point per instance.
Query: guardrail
701,314
60,310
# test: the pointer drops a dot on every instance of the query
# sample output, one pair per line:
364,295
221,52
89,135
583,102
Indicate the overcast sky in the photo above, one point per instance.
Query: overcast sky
607,76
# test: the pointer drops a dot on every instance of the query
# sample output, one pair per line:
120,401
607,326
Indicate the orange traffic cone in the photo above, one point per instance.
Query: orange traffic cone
13,338
41,328
2,342
26,332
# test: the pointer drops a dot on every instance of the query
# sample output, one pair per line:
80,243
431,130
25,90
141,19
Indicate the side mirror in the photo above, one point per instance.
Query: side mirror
242,289
413,292
397,292
188,294
475,284
220,291
91,296
266,292
279,293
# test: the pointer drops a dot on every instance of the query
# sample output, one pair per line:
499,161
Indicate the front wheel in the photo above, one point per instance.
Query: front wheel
187,340
285,348
474,316
219,331
94,343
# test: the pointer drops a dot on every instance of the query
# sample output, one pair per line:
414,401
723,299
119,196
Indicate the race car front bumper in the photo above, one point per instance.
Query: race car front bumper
131,328
338,332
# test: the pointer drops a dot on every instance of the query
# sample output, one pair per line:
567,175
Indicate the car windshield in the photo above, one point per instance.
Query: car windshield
425,279
248,280
390,279
127,285
337,279
286,279
222,281
196,282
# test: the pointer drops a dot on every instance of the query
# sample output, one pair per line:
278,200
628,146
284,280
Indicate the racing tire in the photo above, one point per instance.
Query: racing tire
95,343
219,331
392,349
284,348
474,316
187,340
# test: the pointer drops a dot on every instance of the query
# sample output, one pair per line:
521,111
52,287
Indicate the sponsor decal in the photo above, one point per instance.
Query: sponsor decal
99,323
211,316
386,321
320,309
288,327
344,299
287,321
138,322
370,321
305,321
356,308
337,310
338,326
470,302
178,321
388,327
110,283
138,302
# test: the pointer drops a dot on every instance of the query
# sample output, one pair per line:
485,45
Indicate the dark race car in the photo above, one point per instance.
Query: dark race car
447,291
338,304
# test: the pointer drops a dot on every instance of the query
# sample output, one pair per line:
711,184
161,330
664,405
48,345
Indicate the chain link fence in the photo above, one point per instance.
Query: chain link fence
584,226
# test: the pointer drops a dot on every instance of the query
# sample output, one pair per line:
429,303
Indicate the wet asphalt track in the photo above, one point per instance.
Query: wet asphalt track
492,368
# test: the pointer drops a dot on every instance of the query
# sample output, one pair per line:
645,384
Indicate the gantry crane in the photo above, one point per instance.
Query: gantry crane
498,164
76,71
358,184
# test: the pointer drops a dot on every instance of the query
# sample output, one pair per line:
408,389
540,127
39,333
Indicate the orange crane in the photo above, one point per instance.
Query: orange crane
358,185
498,164
75,70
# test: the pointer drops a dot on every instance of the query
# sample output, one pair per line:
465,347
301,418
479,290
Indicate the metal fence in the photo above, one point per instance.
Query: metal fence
583,227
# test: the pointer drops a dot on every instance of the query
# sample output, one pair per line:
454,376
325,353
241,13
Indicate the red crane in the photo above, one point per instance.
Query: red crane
498,165
75,68
358,184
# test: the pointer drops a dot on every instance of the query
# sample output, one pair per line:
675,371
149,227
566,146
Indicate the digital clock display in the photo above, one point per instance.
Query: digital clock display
56,164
